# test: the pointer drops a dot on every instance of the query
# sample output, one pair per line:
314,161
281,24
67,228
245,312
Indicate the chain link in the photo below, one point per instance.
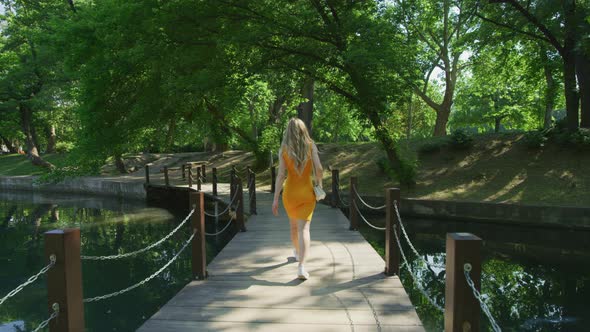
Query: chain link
55,313
477,294
133,253
345,204
32,279
431,266
224,228
104,297
365,203
414,278
226,209
366,221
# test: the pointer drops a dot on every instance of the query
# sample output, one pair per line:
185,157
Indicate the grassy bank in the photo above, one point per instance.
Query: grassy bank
497,168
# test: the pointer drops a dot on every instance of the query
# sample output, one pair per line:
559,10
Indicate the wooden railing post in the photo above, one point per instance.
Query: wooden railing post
199,178
273,179
335,186
190,175
199,254
252,192
204,172
462,309
232,186
166,180
392,253
354,216
64,279
147,174
214,179
241,226
248,176
183,171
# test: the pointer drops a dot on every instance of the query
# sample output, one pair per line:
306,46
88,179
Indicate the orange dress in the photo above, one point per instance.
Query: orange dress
298,195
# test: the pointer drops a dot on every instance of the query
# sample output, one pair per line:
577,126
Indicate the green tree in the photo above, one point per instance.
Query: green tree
562,26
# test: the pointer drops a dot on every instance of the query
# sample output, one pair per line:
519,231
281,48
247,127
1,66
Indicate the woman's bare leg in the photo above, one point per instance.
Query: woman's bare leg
294,235
304,240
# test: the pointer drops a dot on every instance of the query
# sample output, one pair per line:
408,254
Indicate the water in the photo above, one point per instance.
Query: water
107,226
535,279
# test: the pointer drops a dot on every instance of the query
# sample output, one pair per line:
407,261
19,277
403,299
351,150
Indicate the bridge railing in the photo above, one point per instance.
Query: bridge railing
64,267
463,301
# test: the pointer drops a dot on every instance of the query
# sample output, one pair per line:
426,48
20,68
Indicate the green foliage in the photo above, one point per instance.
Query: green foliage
461,139
433,145
64,147
581,138
535,139
406,172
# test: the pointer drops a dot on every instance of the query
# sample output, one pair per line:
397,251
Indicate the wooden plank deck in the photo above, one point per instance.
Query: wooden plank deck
252,284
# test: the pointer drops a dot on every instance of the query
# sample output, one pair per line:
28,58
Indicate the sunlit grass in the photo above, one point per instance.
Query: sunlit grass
16,164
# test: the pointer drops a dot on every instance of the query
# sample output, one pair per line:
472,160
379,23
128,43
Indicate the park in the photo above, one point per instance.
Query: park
141,142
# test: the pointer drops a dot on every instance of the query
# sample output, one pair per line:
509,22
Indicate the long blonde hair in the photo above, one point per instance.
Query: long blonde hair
297,142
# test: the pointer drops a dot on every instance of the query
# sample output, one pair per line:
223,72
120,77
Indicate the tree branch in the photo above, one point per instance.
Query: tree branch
531,18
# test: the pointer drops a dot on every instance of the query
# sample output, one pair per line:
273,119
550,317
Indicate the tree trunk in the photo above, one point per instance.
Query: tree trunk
253,119
170,134
26,115
120,164
442,118
550,89
305,109
11,147
497,123
583,74
409,122
54,213
572,97
50,132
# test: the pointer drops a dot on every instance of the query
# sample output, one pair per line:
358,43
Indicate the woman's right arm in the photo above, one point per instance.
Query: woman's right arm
279,183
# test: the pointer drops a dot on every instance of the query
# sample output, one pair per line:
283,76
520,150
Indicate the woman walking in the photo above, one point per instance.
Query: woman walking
298,156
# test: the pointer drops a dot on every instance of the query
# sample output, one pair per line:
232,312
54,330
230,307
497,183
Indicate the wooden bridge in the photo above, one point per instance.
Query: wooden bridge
252,283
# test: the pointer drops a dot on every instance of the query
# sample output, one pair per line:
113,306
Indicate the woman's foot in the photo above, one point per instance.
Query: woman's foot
302,274
295,255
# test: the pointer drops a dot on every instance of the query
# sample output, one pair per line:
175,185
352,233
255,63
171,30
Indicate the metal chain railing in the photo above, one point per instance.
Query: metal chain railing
224,228
54,314
477,294
431,266
366,221
414,278
133,253
365,203
32,279
345,204
125,290
231,203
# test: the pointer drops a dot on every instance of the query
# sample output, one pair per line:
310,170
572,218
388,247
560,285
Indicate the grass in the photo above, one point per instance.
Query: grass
498,168
16,164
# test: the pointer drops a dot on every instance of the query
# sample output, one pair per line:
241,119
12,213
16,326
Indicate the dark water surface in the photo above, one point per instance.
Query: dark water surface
535,279
108,226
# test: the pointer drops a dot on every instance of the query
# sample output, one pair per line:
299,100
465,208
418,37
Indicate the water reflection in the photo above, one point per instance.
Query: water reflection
534,279
108,226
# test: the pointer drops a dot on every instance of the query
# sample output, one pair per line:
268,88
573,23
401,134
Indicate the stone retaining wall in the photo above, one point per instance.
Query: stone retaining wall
85,185
550,216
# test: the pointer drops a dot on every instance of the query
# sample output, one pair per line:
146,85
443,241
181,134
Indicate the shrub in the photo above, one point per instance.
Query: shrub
535,139
406,173
431,146
461,139
63,147
581,138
